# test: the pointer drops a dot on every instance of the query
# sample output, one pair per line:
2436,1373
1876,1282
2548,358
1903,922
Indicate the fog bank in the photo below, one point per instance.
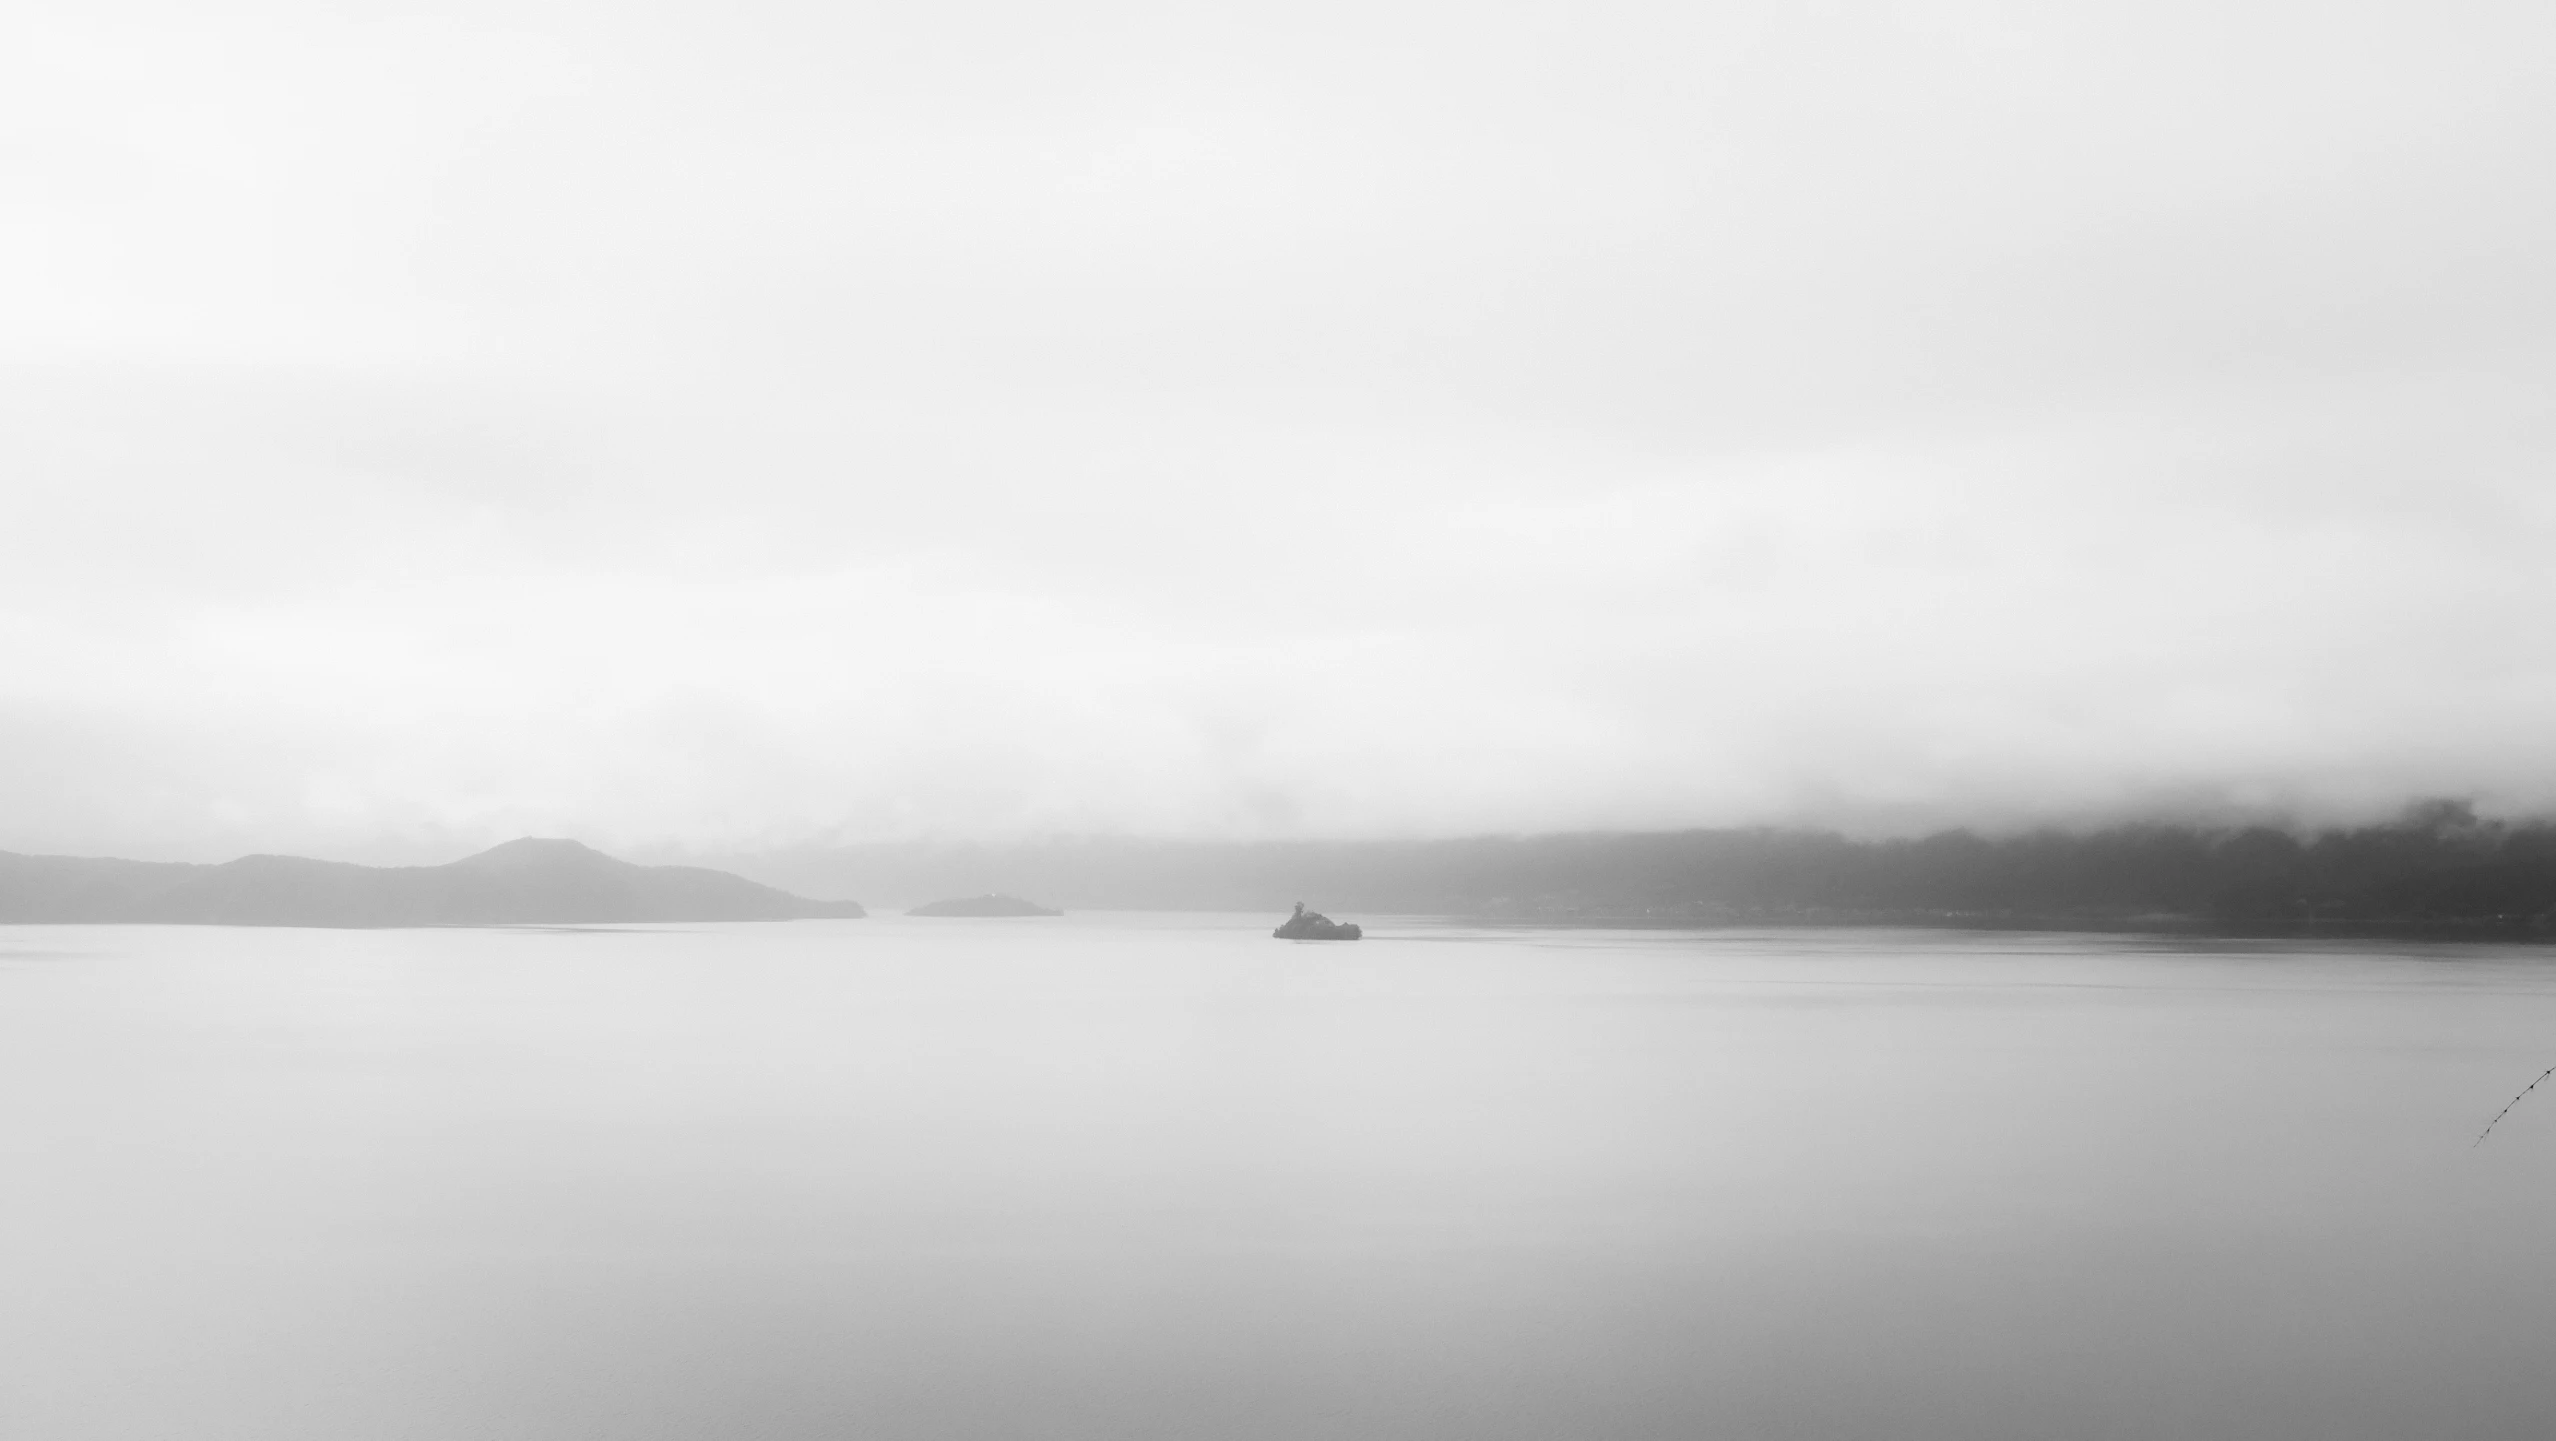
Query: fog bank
778,424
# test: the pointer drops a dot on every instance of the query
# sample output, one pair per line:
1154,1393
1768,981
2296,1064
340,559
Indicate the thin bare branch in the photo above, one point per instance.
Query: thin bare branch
2507,1108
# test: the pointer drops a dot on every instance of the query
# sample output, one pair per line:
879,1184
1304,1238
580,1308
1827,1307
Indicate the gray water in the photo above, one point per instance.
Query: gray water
1147,1176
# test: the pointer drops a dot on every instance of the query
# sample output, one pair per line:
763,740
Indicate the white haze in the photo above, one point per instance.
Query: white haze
750,423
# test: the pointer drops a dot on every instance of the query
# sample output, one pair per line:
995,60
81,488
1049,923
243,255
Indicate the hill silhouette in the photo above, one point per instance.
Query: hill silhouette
523,882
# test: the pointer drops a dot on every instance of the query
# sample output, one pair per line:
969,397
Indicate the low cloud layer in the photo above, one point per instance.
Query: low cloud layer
675,425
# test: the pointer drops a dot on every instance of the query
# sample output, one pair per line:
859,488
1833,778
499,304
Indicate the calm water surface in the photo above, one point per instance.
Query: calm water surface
1160,1176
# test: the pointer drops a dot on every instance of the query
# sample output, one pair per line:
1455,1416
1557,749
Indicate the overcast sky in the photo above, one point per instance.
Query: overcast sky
725,424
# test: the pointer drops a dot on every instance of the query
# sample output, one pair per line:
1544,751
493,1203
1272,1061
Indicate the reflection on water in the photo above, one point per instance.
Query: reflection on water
1119,1177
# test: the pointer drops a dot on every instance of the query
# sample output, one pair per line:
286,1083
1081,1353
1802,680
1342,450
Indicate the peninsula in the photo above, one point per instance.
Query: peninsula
523,882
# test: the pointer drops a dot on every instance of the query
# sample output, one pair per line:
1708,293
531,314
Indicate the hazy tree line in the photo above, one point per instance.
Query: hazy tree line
2438,865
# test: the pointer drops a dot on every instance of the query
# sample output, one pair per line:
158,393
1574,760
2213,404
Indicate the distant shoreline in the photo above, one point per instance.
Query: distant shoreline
2438,870
2501,928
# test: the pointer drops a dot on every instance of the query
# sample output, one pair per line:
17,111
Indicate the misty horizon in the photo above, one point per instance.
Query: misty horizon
2438,870
445,848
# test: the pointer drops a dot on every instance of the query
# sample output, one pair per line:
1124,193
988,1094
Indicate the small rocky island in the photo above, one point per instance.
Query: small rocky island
1307,925
988,904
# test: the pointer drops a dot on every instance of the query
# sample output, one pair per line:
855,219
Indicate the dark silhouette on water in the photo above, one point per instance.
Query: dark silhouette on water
1307,925
988,904
523,882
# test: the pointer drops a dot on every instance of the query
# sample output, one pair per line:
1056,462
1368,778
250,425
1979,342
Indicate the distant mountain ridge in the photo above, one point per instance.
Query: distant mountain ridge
530,881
